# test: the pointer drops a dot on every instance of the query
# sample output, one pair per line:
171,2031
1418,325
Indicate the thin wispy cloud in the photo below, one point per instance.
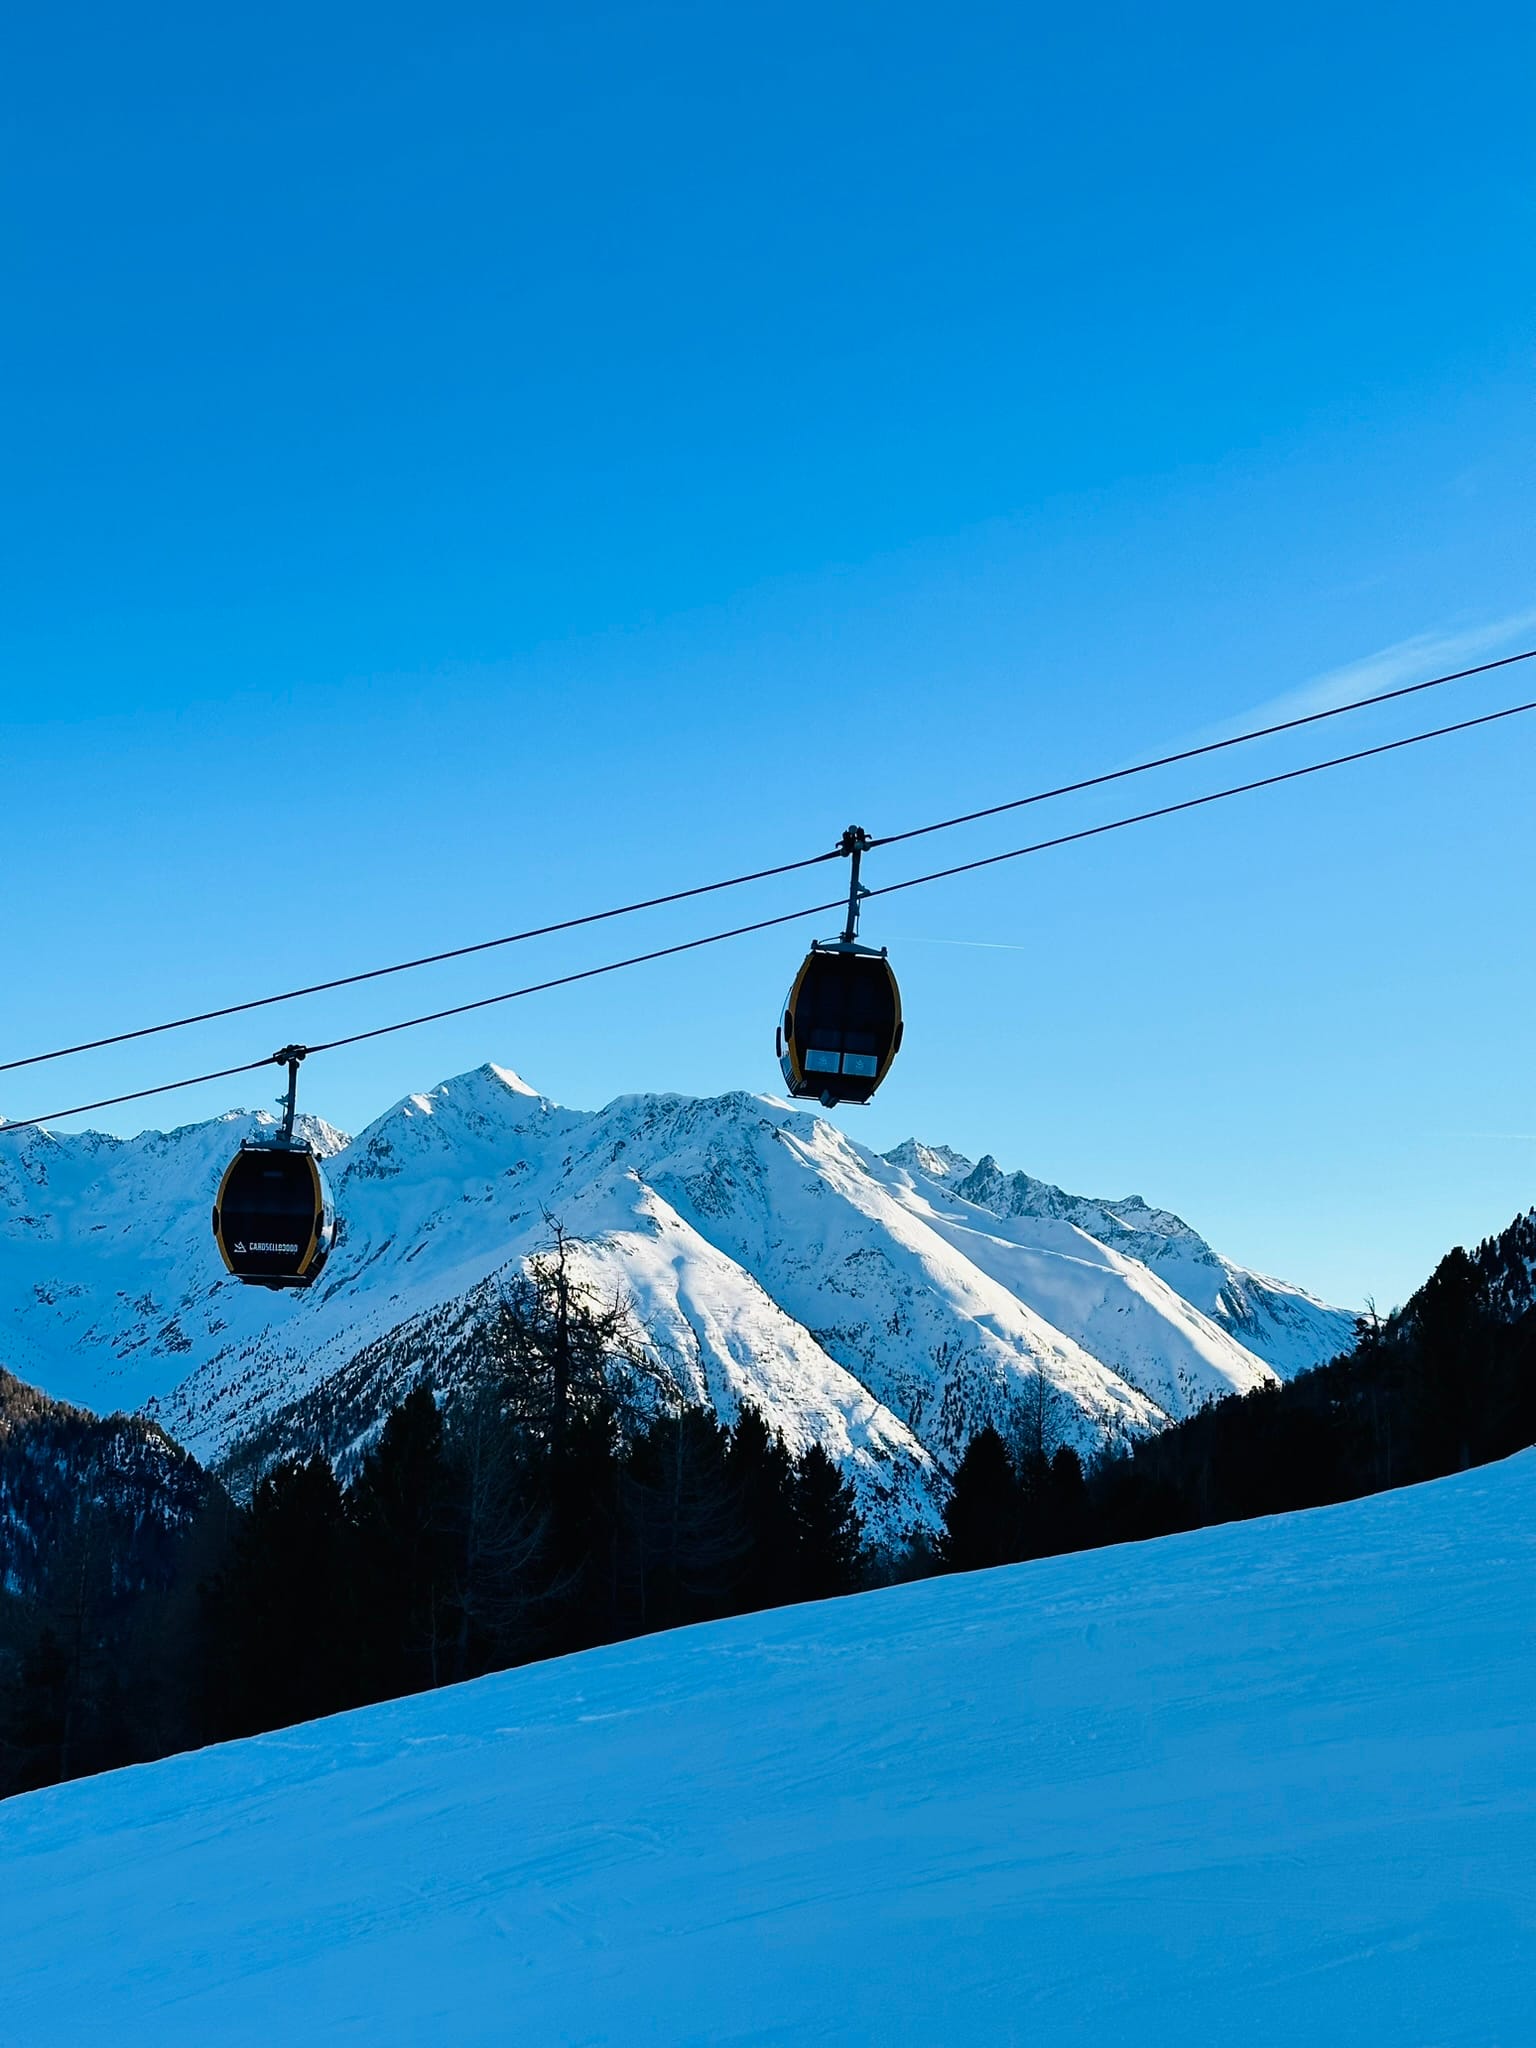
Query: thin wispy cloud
1405,661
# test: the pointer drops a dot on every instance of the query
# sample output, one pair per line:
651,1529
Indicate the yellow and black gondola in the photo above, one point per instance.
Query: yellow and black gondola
841,1024
841,1027
272,1218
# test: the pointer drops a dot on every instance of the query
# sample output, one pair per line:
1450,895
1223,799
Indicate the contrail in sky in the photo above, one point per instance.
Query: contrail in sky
984,945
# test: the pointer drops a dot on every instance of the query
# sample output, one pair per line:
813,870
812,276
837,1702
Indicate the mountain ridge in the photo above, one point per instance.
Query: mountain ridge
858,1300
1282,1323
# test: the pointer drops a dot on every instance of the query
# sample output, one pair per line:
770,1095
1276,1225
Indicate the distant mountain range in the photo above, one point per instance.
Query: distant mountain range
886,1306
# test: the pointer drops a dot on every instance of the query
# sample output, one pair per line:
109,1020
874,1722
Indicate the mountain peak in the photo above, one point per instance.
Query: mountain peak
939,1162
482,1090
884,1307
512,1082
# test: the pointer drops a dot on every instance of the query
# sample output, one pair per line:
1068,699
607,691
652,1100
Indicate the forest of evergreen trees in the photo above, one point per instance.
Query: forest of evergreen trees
1447,1382
545,1508
550,1506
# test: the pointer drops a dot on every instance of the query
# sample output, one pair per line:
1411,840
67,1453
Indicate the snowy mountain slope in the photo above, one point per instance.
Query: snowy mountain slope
1115,1306
1288,1328
97,1252
1269,1784
117,1298
937,1339
713,1330
870,1305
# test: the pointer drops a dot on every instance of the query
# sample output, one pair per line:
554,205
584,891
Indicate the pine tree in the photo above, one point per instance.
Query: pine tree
552,1350
685,1538
579,1484
1067,1503
1033,1431
829,1530
762,1474
1449,1355
500,1514
34,1712
283,1637
983,1513
554,1366
400,1508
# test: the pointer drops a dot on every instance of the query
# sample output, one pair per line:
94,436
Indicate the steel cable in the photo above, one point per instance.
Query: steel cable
796,916
569,924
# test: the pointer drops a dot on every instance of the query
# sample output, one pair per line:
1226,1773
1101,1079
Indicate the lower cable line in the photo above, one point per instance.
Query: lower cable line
510,995
320,988
535,988
783,918
1039,796
1195,803
27,1123
1242,739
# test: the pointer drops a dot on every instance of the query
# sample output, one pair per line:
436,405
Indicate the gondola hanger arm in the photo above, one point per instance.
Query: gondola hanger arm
291,1057
853,844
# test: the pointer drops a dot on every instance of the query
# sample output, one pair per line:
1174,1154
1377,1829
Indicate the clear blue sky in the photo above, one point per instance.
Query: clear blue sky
468,465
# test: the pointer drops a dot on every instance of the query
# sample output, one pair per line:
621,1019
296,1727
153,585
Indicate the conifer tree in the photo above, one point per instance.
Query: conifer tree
551,1362
34,1707
829,1530
1067,1503
1449,1356
284,1637
553,1349
579,1491
400,1508
500,1514
983,1513
684,1531
762,1475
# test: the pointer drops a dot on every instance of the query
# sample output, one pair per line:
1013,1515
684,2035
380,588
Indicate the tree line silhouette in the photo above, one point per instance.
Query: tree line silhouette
1447,1382
559,1500
563,1498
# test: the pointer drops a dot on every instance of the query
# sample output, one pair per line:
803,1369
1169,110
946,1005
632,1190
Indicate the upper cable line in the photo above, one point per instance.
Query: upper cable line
1195,803
1261,732
289,1053
685,895
318,988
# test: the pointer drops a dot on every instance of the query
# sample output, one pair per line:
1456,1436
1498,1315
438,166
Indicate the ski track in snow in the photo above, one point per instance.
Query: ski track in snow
1273,1783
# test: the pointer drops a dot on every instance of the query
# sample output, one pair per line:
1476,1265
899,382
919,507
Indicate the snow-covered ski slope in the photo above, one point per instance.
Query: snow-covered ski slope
1271,1783
884,1307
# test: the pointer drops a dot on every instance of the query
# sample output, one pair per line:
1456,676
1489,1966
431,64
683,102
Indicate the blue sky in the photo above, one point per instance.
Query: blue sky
464,467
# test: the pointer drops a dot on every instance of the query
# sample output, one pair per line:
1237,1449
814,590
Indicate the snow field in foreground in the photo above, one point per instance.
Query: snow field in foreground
1269,1783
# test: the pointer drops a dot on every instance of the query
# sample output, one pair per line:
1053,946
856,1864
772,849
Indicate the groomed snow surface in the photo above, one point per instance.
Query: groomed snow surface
1268,1783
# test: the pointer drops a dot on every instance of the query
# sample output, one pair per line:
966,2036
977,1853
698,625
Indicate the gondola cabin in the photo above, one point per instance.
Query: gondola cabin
273,1221
841,1026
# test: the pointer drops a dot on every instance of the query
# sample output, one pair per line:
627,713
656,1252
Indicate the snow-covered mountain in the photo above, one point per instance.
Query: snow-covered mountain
885,1306
1268,1784
1284,1325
